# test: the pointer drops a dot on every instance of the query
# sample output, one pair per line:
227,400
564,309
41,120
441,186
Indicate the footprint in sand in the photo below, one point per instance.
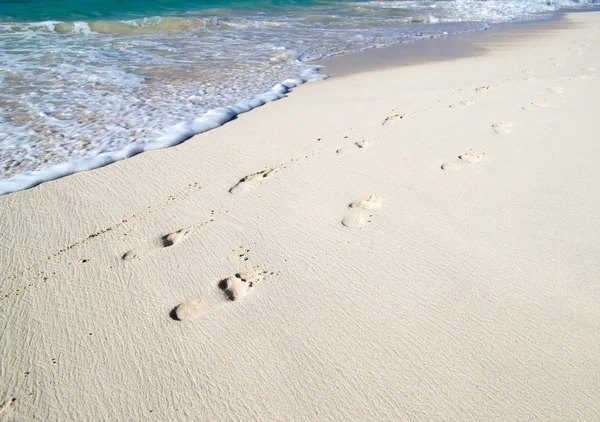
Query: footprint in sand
556,89
583,77
469,157
535,105
483,89
556,61
392,117
229,289
357,214
357,146
166,241
248,183
528,74
502,128
479,91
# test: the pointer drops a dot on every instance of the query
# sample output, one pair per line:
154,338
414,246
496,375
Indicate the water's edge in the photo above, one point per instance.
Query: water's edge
176,135
447,47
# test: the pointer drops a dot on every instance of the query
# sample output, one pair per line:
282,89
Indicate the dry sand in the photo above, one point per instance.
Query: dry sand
415,243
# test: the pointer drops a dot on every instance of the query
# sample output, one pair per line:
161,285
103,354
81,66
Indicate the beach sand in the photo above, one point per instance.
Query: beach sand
415,243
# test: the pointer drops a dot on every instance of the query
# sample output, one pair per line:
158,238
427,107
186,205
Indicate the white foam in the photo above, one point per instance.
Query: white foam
82,28
175,135
491,11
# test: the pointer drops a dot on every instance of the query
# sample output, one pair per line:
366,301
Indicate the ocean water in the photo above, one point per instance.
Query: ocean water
86,83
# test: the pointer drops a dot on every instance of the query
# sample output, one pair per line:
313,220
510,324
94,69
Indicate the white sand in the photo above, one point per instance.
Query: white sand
465,293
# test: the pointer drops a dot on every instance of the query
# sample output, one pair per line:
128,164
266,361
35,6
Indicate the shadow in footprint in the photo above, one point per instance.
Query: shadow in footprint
173,314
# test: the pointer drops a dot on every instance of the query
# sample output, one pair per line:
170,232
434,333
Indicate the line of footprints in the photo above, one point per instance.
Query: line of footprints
237,286
357,215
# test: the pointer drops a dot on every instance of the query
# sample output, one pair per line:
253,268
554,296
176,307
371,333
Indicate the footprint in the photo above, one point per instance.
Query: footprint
536,104
583,77
166,241
484,89
502,128
468,102
175,237
556,89
452,165
393,117
556,61
355,147
231,288
249,182
194,308
528,74
357,214
468,157
471,156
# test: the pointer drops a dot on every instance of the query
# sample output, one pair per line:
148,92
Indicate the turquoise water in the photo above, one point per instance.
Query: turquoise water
84,83
72,10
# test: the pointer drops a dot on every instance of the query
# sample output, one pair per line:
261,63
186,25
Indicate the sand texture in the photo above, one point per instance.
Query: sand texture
419,243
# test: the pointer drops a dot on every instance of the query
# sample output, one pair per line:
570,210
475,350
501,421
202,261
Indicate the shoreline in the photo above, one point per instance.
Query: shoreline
413,52
448,47
410,243
435,49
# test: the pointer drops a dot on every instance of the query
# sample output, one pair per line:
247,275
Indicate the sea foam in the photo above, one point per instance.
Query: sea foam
173,136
